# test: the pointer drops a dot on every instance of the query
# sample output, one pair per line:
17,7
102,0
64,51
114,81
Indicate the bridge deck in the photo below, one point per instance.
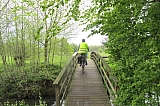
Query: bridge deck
87,88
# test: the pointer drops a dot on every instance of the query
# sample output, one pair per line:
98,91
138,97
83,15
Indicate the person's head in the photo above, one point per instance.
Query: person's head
83,40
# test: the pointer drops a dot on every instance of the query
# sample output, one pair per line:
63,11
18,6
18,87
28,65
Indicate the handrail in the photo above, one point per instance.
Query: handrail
63,80
108,79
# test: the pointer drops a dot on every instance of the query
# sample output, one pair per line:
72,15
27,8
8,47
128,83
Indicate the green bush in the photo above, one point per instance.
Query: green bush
30,82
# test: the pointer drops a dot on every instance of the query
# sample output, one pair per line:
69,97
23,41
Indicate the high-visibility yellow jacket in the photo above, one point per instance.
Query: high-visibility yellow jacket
83,48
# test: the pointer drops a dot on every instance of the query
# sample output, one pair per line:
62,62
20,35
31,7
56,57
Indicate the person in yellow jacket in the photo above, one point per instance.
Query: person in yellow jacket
83,49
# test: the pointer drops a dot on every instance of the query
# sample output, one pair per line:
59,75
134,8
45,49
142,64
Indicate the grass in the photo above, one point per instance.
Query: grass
32,61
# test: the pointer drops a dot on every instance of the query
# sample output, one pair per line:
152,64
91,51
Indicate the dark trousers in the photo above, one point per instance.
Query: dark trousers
79,60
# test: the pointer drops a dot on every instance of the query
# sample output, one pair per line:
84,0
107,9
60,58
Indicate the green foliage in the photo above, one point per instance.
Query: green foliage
132,27
39,33
75,47
29,83
95,48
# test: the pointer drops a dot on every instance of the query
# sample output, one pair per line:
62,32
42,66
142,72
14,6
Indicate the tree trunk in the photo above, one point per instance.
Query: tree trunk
46,51
2,53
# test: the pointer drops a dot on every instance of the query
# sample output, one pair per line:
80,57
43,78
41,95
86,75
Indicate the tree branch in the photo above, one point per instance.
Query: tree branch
4,5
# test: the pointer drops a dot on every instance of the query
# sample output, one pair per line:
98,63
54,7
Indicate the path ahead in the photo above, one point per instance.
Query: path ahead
87,88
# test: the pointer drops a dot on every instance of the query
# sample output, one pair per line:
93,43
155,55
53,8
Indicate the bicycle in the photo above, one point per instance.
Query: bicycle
83,61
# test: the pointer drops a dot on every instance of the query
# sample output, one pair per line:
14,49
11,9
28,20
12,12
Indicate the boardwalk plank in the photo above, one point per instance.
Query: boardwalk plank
87,88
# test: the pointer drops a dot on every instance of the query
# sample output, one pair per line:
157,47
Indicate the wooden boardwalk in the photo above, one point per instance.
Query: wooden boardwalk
87,88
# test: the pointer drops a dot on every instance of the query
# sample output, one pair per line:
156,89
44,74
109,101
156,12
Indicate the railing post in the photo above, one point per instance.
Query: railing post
99,63
74,60
73,64
57,95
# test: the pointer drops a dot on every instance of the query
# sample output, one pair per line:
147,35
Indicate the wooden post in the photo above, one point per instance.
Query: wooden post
99,63
57,95
73,64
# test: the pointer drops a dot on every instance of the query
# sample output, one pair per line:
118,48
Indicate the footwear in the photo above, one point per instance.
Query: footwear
86,63
80,65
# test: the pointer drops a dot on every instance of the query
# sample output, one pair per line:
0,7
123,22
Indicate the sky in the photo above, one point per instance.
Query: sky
91,41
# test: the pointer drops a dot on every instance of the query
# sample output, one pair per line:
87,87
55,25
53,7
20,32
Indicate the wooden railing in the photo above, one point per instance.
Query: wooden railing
63,80
108,79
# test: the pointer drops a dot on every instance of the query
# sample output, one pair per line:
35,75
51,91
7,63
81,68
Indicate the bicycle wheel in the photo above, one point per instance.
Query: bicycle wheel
83,66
